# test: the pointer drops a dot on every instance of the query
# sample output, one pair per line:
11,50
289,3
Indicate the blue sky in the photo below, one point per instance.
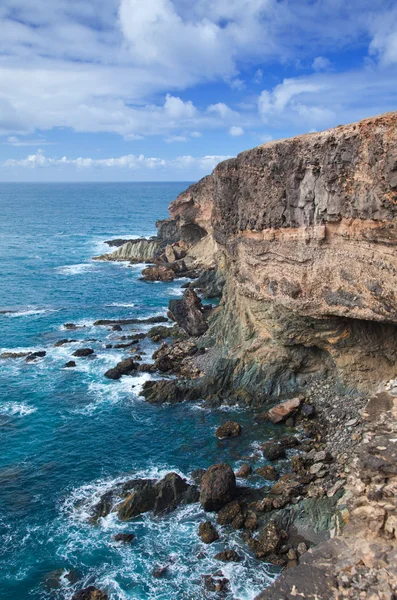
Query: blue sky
155,90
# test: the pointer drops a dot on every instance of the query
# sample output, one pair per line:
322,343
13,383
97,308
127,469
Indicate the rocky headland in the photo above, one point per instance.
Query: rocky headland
295,242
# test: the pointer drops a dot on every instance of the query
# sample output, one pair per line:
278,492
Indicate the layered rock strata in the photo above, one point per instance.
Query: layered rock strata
304,233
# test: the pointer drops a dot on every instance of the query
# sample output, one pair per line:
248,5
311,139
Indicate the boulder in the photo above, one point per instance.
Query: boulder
169,358
244,471
229,429
227,556
268,541
35,355
197,475
161,497
208,533
215,583
188,313
218,487
126,538
267,472
232,514
282,411
125,367
90,593
158,273
273,450
162,392
63,342
70,364
82,352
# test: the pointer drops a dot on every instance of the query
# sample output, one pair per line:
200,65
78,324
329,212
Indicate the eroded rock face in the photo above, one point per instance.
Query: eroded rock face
140,250
160,498
188,313
125,367
218,487
306,229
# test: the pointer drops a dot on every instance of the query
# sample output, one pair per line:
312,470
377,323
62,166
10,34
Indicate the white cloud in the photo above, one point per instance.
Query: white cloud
320,63
176,138
18,143
130,161
236,131
98,66
324,100
196,134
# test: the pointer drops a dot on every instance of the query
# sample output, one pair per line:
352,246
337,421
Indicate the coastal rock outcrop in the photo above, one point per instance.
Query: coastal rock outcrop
140,250
188,313
218,487
304,231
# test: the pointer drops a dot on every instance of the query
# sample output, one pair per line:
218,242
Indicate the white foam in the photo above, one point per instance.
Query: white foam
78,269
122,304
19,409
28,312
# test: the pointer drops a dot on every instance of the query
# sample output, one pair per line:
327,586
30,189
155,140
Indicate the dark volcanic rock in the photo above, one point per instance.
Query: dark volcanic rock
210,284
69,365
227,556
148,321
63,342
169,358
208,533
82,352
34,355
268,541
160,498
126,538
273,450
90,593
228,430
162,392
125,367
188,313
218,487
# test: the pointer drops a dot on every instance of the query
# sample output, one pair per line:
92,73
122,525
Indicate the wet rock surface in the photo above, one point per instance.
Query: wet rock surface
229,429
90,593
218,487
125,367
208,533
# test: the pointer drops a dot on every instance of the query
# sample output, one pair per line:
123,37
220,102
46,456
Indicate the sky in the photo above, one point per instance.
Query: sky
162,90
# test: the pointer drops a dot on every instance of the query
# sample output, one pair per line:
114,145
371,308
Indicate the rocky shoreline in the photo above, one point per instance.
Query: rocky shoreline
293,243
296,237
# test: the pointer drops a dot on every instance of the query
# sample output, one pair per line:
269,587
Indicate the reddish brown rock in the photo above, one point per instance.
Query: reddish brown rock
218,487
229,429
188,313
208,533
282,411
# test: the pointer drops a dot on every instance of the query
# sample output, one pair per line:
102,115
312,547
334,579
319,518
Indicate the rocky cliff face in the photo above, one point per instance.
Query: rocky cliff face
307,233
140,250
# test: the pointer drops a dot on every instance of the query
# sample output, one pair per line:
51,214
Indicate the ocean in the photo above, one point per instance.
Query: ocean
67,435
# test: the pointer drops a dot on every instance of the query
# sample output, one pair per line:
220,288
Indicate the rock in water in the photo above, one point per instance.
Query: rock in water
227,556
282,411
69,365
125,367
208,533
158,273
218,487
35,355
160,498
90,593
82,352
244,471
230,429
126,538
188,313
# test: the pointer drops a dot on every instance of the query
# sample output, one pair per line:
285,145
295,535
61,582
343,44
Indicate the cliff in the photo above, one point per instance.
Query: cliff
305,233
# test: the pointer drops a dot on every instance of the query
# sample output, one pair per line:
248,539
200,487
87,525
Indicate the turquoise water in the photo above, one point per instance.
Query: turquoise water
68,435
